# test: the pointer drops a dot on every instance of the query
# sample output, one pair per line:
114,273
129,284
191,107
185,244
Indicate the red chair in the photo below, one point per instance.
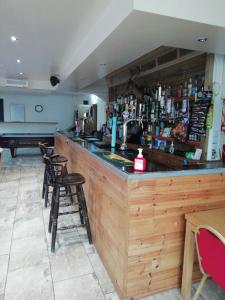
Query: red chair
211,255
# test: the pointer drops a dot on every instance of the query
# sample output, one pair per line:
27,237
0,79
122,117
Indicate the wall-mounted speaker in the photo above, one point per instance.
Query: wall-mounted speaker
54,80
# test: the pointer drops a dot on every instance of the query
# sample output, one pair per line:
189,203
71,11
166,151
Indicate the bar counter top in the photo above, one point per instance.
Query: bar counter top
124,166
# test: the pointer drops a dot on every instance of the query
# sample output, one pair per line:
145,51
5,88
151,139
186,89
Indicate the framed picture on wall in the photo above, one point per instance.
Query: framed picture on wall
17,112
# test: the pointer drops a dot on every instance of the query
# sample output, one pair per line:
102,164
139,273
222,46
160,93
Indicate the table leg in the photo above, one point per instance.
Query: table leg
13,151
188,262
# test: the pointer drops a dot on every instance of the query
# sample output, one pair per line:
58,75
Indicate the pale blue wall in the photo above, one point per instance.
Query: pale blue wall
57,108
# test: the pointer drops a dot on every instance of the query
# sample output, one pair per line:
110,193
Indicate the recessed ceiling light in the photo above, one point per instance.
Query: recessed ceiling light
21,73
13,38
102,65
202,39
18,61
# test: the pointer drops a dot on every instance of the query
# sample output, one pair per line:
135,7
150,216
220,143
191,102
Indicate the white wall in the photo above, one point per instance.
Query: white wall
204,11
101,107
57,108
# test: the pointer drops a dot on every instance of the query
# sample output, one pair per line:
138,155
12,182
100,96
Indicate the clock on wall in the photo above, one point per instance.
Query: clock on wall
38,108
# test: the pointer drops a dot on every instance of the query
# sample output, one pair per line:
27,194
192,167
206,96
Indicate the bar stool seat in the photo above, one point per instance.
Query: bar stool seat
70,179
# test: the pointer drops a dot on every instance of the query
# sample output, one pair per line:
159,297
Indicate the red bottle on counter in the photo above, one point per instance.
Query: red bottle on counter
140,162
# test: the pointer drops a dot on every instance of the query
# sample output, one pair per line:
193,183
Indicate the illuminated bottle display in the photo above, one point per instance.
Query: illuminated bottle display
164,104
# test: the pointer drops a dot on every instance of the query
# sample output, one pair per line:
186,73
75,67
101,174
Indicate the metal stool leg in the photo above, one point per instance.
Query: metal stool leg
46,194
55,218
51,210
44,182
79,206
81,200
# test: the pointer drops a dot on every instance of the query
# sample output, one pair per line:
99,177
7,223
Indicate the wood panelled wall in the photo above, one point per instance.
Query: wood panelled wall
138,226
173,75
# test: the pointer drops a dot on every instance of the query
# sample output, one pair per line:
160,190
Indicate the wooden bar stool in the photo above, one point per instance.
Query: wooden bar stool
66,181
49,151
47,182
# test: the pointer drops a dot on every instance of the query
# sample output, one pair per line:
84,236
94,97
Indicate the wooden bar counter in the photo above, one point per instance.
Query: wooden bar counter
138,222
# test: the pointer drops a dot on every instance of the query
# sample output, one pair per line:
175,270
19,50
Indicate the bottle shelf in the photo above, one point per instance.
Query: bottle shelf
194,143
163,138
179,99
172,139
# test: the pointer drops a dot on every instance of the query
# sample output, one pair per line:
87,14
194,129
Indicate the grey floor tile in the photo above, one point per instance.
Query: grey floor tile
102,275
112,296
211,291
28,209
30,283
28,227
168,295
7,211
3,272
9,203
2,297
68,262
28,187
28,252
81,288
9,189
30,196
5,239
89,248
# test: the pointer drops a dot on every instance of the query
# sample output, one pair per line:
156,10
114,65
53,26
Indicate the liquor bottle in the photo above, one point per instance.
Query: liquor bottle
126,104
180,91
145,96
194,88
149,136
168,91
190,87
152,117
159,92
185,89
201,88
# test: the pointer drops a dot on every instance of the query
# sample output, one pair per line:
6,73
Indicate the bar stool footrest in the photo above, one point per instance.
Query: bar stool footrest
67,227
68,195
71,227
66,204
68,212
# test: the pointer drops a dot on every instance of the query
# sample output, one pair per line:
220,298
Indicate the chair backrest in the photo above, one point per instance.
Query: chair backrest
211,253
42,148
53,169
45,149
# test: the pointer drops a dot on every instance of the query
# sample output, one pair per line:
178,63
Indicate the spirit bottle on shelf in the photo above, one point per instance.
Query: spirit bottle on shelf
190,87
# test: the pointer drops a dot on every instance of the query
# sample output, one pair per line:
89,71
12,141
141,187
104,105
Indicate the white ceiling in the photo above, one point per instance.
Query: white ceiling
47,32
73,38
137,35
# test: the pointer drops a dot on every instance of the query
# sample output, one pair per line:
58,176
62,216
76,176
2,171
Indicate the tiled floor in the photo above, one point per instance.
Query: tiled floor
28,269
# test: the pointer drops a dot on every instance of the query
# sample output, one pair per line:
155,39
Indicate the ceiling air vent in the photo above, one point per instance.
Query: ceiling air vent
21,83
167,57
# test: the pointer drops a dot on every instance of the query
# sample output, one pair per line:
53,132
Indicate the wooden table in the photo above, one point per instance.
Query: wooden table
214,218
24,140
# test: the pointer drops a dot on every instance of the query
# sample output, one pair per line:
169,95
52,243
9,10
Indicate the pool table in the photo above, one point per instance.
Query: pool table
13,141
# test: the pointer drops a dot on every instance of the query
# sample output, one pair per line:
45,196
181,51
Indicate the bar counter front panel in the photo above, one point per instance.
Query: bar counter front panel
138,222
